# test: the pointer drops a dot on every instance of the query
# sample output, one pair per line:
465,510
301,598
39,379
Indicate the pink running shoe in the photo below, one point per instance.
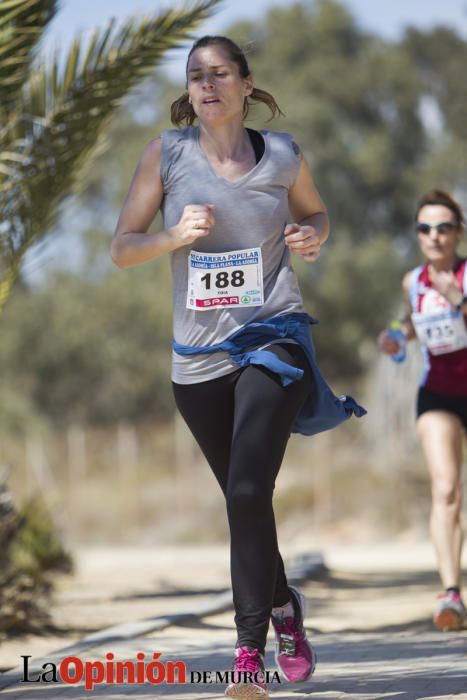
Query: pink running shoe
294,656
450,613
247,676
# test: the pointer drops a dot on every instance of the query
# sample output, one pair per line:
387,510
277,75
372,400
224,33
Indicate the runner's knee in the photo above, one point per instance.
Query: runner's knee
445,492
246,499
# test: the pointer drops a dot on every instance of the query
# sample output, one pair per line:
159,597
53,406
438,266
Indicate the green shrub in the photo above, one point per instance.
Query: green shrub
30,550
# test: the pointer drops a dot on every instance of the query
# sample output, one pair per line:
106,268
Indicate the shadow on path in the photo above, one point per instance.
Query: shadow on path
396,667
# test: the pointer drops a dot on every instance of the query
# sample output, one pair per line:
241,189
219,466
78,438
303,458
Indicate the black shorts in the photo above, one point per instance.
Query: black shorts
431,401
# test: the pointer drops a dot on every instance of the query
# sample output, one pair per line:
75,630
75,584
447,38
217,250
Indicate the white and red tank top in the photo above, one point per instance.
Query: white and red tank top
442,331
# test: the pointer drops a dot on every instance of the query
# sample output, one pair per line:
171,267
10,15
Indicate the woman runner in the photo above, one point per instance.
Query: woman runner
436,302
225,192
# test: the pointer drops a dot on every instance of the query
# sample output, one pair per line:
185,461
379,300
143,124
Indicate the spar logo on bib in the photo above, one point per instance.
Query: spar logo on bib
217,301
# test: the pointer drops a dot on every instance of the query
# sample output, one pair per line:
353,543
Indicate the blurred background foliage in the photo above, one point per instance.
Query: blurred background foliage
87,417
54,114
379,123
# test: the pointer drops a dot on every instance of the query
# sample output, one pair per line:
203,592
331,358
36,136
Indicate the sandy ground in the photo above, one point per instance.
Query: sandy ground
369,587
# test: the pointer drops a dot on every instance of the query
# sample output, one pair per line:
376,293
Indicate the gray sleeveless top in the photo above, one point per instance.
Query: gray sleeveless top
250,213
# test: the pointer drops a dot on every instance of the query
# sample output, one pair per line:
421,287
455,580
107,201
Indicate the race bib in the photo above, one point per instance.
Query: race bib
441,332
232,279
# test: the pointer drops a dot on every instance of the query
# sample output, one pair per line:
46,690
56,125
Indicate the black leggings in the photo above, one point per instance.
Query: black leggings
242,422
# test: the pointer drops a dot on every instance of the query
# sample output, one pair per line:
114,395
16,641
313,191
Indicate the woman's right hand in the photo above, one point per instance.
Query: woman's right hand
196,222
386,344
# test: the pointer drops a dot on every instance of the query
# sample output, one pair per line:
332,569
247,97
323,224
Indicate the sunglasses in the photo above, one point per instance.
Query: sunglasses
443,227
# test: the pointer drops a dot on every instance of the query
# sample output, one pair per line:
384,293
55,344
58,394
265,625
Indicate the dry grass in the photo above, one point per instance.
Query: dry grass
150,484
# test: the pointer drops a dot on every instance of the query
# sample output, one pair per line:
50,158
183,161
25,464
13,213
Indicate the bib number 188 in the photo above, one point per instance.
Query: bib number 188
221,279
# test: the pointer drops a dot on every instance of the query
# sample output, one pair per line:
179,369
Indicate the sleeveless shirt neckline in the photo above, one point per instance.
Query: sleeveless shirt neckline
243,178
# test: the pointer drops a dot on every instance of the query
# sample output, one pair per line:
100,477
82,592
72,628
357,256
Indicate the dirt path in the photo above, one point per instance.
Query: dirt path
373,609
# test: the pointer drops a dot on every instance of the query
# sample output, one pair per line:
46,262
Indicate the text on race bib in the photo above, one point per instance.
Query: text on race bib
231,279
441,332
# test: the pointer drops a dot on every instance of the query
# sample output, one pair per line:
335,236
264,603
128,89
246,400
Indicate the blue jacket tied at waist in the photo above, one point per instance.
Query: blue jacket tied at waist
322,409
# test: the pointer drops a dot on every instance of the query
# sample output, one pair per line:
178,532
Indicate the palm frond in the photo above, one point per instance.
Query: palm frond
22,25
60,123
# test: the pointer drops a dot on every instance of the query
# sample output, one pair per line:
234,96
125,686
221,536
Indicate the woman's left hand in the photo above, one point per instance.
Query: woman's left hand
303,240
446,284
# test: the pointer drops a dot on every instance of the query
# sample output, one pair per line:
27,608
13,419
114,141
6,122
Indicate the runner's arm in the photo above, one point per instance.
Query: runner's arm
406,321
386,343
305,204
446,284
132,244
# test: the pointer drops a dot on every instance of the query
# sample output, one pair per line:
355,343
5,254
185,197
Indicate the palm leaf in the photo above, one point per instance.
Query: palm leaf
22,24
61,120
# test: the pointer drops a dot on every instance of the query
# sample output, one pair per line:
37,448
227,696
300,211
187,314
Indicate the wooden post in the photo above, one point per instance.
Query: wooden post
76,443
